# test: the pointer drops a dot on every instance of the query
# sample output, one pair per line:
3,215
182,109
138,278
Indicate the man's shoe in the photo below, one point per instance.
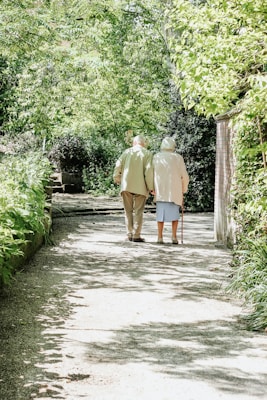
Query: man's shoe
139,240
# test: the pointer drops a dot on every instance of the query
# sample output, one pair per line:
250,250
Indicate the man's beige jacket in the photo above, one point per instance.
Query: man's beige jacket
134,171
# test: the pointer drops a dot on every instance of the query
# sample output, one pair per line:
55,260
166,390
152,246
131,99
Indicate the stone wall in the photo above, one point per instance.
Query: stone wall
67,182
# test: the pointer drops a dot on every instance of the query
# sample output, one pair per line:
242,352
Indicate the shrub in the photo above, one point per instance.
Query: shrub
94,157
69,153
250,280
98,174
249,209
196,142
22,205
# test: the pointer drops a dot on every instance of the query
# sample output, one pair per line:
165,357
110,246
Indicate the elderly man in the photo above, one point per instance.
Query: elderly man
134,172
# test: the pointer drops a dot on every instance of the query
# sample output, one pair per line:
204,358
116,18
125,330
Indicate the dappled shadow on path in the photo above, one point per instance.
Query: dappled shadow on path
95,298
98,259
199,351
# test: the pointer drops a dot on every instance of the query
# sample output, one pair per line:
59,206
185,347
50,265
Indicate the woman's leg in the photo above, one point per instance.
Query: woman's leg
160,230
174,229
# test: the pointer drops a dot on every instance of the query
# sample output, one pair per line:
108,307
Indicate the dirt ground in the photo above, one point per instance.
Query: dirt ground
94,316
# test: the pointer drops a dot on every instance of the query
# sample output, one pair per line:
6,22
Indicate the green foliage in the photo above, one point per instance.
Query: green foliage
249,202
98,175
22,205
68,153
24,29
101,68
4,88
93,156
219,48
195,137
249,209
250,280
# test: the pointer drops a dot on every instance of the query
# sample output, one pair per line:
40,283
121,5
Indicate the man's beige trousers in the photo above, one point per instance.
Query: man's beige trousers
134,205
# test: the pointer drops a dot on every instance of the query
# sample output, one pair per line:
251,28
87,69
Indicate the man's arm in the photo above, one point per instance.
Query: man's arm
149,172
117,171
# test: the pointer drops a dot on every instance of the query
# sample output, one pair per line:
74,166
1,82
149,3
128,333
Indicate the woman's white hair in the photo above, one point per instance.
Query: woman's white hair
168,143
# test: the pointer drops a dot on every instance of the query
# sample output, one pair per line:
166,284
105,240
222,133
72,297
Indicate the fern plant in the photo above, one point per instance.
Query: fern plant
22,206
250,280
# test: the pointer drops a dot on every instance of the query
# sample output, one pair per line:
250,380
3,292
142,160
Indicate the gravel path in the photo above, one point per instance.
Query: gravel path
96,317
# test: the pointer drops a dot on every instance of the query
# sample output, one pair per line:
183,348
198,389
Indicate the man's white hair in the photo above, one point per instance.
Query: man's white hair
139,140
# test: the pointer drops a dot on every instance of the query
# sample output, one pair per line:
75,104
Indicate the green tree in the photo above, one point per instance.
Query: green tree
96,71
97,68
219,49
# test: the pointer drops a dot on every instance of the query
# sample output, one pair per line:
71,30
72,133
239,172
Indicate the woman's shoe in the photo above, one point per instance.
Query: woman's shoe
160,241
175,241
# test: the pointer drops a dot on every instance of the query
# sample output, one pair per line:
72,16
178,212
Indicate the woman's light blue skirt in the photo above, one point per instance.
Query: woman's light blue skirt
167,212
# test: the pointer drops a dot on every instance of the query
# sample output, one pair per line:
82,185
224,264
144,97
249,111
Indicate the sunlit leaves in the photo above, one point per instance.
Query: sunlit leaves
23,28
98,65
22,205
217,46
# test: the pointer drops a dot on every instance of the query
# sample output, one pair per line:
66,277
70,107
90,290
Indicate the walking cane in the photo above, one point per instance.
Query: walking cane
182,223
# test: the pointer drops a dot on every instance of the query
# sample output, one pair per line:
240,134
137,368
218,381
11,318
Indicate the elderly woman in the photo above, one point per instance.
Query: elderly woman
170,183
